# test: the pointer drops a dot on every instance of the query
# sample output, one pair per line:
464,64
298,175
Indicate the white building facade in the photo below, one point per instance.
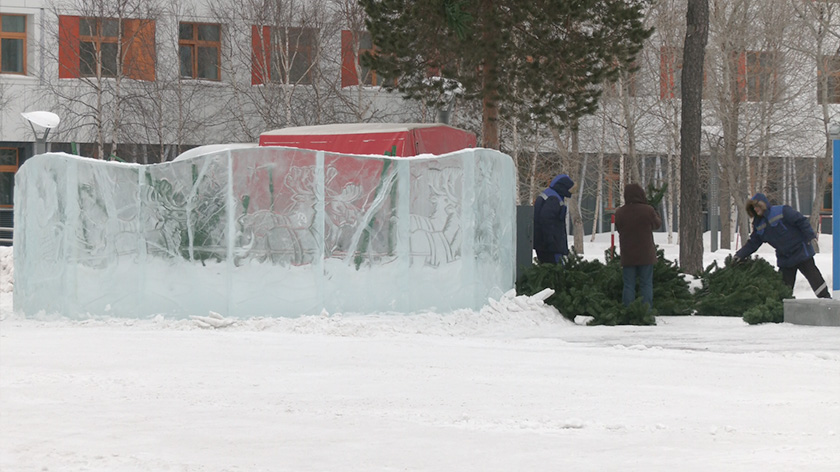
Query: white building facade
143,80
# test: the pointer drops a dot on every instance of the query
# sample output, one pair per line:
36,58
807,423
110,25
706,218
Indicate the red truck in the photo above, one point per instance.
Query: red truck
392,139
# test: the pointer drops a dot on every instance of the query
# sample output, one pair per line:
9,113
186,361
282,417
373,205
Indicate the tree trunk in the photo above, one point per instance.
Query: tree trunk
629,116
490,113
822,173
696,36
599,209
725,218
490,88
577,219
596,222
517,161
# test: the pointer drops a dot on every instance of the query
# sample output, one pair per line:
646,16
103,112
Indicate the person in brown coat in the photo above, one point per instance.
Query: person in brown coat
635,222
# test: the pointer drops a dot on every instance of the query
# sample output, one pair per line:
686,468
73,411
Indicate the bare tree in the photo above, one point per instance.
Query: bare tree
168,113
818,20
761,97
364,101
275,62
663,54
98,47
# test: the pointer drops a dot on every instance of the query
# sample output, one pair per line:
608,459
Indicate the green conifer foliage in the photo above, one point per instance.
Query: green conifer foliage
671,295
546,57
635,314
752,289
737,288
771,311
655,195
588,288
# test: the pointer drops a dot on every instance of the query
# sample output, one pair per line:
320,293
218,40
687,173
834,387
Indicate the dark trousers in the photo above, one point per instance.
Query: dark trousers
547,257
644,273
811,272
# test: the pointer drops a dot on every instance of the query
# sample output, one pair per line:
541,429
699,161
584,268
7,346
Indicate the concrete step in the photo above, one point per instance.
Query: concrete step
814,312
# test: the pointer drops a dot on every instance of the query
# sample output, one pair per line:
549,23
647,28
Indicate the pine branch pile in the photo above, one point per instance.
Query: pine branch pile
751,287
581,287
671,295
592,288
772,311
635,314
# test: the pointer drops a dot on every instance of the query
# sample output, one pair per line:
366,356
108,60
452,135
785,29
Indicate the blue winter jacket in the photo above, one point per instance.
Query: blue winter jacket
784,228
550,217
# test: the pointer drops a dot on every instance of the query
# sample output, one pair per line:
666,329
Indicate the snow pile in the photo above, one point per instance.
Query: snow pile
215,320
511,313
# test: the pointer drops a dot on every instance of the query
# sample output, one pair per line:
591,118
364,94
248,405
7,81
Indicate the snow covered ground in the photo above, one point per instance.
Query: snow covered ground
513,387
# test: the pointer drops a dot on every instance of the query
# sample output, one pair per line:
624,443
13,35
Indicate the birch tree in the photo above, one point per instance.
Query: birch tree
664,55
818,19
98,47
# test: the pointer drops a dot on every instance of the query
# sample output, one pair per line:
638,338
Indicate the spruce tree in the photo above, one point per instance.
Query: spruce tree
554,55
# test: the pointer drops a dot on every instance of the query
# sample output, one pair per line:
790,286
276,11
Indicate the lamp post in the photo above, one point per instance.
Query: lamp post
834,135
43,119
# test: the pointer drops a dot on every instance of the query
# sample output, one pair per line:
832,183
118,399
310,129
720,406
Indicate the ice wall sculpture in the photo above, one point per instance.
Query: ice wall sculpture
263,232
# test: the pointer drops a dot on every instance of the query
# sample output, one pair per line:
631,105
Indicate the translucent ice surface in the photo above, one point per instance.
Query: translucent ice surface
263,231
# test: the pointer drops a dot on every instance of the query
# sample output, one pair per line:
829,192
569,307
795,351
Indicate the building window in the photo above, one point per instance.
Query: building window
200,50
288,54
831,69
296,48
98,47
12,44
8,167
353,45
106,47
670,72
757,76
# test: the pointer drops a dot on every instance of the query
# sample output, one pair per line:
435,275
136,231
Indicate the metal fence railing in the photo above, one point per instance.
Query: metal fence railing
6,226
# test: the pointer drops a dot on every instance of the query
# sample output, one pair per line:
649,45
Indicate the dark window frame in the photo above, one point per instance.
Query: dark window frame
302,43
758,76
13,36
195,44
831,66
99,39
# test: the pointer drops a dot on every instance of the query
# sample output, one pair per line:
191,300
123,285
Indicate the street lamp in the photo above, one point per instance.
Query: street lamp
834,135
43,119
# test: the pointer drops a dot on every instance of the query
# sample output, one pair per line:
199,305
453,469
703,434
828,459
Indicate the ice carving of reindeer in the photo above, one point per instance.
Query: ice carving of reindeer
343,214
288,236
436,238
285,236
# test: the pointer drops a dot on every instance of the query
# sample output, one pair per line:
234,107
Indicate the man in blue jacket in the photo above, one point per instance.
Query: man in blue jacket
550,240
790,233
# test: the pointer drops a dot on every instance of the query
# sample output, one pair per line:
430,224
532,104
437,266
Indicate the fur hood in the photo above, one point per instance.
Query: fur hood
757,199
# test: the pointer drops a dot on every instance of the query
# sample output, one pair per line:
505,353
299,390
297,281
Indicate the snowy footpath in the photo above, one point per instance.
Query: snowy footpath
512,387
